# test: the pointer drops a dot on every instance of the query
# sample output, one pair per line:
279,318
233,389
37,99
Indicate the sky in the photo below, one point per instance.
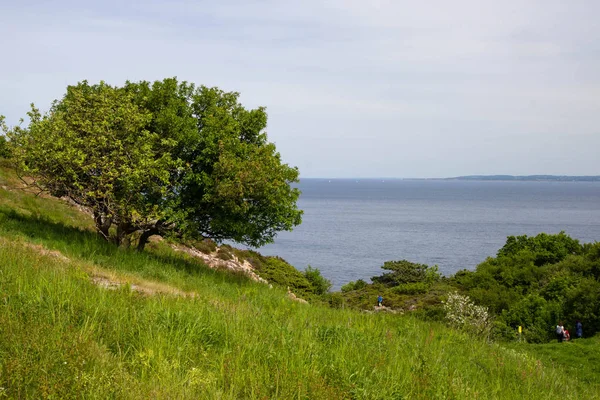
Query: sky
352,88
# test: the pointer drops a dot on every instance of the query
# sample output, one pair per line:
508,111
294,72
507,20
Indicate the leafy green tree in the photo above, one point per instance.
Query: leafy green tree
165,158
582,302
319,283
547,249
404,271
4,150
354,285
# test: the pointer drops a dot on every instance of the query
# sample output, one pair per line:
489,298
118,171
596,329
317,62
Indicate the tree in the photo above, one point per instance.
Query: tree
319,283
404,271
547,248
4,150
161,159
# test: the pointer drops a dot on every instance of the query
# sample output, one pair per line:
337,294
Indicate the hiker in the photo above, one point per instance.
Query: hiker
380,300
566,335
560,332
578,330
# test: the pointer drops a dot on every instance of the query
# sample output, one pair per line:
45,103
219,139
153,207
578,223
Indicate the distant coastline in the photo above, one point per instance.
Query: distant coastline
530,178
557,178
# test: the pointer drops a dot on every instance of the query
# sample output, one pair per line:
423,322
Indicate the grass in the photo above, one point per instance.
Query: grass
62,336
577,358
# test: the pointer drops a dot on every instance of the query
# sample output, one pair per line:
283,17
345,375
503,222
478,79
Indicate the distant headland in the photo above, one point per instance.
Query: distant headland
559,178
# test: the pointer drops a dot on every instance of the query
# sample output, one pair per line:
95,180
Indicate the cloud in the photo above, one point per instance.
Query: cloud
425,77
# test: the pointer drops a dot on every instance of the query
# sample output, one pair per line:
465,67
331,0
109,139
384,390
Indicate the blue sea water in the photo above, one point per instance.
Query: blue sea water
350,227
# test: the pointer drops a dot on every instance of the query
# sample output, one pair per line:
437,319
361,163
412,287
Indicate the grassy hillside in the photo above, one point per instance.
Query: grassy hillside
81,318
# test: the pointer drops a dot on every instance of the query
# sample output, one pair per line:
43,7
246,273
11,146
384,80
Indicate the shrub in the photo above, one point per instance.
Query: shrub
404,271
411,288
4,151
224,254
462,313
206,246
357,285
278,272
319,284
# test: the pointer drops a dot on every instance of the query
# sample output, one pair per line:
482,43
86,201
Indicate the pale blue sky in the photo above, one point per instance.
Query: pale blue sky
352,88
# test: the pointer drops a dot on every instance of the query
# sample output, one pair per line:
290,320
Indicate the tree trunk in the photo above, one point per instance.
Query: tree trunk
124,230
102,224
144,238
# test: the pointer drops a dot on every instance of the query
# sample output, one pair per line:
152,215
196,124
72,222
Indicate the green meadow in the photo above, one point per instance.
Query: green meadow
173,328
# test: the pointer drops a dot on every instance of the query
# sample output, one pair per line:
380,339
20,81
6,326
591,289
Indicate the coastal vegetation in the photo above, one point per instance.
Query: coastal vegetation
164,158
533,282
166,167
82,317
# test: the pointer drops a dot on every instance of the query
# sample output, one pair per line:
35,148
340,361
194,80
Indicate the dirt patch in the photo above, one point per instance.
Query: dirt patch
111,281
215,261
45,252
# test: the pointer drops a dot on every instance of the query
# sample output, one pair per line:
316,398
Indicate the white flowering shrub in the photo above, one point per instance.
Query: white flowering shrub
462,313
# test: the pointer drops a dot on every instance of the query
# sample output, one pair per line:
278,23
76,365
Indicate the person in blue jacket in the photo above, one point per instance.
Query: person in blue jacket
379,300
578,330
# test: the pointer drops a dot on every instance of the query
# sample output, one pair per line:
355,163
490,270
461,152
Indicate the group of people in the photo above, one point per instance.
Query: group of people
562,334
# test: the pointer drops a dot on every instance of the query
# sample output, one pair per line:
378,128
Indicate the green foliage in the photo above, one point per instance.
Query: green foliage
4,150
577,358
224,254
319,284
165,158
64,337
535,282
228,338
407,272
546,249
206,246
463,314
279,273
411,288
356,285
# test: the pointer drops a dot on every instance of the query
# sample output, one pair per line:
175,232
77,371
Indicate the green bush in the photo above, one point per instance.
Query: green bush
404,271
411,288
356,285
319,284
224,254
4,150
206,246
278,272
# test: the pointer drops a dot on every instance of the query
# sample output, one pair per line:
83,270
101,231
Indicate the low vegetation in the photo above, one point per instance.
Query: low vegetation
533,282
167,326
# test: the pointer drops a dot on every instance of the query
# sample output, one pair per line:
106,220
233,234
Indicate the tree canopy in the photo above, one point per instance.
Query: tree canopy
164,158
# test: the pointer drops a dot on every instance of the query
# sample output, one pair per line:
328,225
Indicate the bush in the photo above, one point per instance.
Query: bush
319,284
462,313
206,246
404,271
224,254
411,288
4,151
357,285
278,272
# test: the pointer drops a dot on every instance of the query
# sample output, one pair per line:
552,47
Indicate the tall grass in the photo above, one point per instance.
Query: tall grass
64,337
61,336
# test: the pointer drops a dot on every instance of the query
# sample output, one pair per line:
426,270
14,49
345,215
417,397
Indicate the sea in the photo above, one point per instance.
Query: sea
351,227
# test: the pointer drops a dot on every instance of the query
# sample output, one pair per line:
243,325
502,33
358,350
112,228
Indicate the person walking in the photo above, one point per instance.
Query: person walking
560,332
578,330
379,300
